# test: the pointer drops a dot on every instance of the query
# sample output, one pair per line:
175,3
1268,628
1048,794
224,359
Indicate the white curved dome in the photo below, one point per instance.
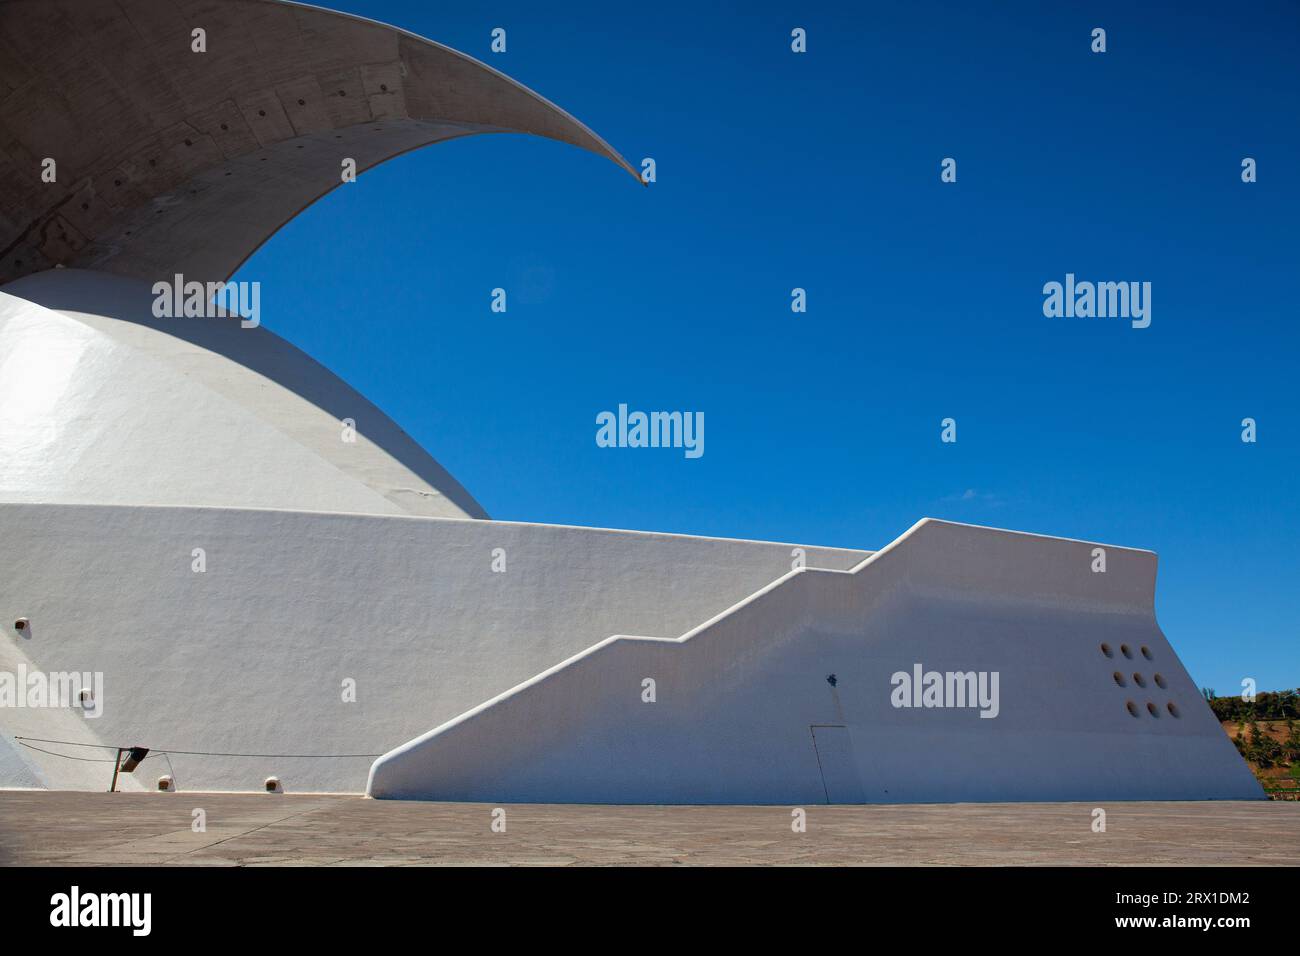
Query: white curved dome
101,403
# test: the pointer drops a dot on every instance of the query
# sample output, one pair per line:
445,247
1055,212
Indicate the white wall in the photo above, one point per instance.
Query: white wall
740,699
249,656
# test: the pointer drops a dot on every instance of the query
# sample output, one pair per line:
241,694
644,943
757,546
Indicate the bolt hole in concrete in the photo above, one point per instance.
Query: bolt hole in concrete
1152,709
1119,678
1126,651
1146,652
1132,708
1139,680
1160,681
22,623
1173,709
1105,649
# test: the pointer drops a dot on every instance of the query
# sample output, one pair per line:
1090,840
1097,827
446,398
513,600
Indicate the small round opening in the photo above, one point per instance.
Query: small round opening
1152,709
1139,680
261,112
272,784
1146,652
1172,708
1160,681
302,102
1126,651
1132,708
1119,678
21,624
1105,649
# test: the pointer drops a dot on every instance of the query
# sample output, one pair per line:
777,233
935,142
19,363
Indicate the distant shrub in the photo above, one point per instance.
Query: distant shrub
1269,705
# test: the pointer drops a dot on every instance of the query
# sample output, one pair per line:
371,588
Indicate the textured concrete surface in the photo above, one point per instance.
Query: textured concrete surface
103,403
266,830
159,148
1092,701
250,656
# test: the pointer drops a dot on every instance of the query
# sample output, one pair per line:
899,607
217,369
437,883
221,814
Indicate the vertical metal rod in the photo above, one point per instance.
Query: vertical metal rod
117,762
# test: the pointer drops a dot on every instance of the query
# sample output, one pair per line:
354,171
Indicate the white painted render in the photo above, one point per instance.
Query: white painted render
744,711
249,657
101,402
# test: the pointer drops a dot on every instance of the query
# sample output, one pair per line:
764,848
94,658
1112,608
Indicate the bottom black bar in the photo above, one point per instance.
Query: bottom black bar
338,905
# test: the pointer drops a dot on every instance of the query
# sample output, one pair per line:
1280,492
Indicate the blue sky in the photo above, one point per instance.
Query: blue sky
821,170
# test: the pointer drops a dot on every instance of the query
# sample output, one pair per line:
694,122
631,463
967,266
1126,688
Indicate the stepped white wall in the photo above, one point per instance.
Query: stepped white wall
745,714
250,656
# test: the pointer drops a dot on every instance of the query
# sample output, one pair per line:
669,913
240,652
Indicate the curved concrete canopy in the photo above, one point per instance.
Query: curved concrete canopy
174,161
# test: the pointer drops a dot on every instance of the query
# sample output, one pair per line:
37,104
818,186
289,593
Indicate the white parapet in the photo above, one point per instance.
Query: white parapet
319,640
958,664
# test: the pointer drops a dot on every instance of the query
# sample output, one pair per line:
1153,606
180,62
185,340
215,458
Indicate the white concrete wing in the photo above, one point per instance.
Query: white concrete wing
170,159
